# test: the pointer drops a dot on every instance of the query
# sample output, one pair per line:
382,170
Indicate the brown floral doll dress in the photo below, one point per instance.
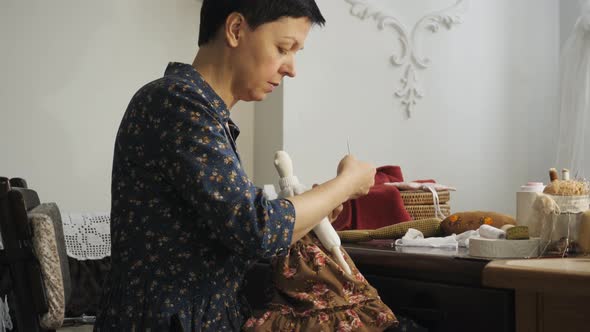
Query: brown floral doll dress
313,293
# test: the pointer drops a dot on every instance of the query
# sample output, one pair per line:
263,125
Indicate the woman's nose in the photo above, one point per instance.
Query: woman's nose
288,69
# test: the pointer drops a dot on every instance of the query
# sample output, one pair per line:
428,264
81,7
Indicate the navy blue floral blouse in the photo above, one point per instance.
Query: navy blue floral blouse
186,222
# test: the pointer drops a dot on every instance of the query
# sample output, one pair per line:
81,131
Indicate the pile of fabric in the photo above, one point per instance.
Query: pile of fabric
391,201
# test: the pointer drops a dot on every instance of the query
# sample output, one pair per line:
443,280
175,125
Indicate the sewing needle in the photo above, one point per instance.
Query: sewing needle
348,145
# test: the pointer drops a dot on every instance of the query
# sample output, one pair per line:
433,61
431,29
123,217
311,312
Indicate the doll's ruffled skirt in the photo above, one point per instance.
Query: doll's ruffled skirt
311,292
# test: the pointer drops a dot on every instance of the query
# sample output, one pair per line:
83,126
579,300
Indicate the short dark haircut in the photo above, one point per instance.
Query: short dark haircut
257,12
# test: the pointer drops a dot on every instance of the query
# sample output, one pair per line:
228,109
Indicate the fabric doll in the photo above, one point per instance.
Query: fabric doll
312,291
290,186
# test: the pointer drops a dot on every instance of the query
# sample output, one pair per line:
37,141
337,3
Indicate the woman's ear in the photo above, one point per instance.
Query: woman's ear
234,26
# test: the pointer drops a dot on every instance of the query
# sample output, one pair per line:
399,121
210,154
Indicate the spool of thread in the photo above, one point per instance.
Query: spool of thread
525,198
553,174
517,233
565,174
490,232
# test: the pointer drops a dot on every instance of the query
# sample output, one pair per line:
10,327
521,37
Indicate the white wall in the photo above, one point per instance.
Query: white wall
569,11
485,125
486,122
69,69
268,121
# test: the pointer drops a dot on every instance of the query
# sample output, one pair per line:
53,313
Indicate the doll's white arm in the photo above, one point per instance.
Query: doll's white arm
289,185
330,239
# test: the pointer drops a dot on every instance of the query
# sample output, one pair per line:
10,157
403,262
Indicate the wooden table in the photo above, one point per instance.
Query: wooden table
551,294
441,289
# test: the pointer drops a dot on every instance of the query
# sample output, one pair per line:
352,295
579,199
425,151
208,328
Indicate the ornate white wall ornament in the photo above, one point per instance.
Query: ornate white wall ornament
410,57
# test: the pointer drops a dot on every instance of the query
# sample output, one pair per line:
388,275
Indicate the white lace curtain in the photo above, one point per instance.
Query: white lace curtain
575,99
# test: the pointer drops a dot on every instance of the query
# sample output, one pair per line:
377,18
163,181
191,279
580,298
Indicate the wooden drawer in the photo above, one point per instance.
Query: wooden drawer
443,307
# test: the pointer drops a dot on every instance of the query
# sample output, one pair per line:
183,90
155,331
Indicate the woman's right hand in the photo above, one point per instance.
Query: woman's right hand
358,174
354,180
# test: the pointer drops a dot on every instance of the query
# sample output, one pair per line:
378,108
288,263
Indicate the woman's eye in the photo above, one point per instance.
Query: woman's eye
282,50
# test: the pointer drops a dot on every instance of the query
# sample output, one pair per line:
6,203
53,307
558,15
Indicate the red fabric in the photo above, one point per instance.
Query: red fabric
425,181
388,174
383,205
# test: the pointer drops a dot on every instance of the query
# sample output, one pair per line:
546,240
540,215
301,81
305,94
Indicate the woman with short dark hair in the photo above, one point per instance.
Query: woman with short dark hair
186,221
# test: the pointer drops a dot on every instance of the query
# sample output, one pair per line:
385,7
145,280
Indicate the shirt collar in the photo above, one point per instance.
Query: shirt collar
203,88
233,129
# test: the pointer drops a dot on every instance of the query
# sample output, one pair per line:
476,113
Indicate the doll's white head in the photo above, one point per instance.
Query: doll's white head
283,164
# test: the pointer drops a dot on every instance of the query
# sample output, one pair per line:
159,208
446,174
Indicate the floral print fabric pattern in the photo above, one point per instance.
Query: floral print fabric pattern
311,292
186,222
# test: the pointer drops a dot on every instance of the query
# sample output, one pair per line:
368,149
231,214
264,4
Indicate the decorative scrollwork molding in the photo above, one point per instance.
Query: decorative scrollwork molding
410,57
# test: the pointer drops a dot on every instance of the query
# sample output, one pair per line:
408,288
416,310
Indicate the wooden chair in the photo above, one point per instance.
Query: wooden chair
21,277
27,298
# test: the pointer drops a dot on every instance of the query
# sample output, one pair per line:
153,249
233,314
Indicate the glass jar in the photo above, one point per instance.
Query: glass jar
560,229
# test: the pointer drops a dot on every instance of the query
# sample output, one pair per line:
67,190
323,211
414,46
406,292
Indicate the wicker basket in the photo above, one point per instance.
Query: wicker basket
419,197
426,211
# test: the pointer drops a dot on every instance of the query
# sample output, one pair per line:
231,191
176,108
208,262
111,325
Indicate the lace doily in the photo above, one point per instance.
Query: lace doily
88,235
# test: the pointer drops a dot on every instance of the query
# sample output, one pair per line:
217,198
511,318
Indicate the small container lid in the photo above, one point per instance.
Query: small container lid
533,187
